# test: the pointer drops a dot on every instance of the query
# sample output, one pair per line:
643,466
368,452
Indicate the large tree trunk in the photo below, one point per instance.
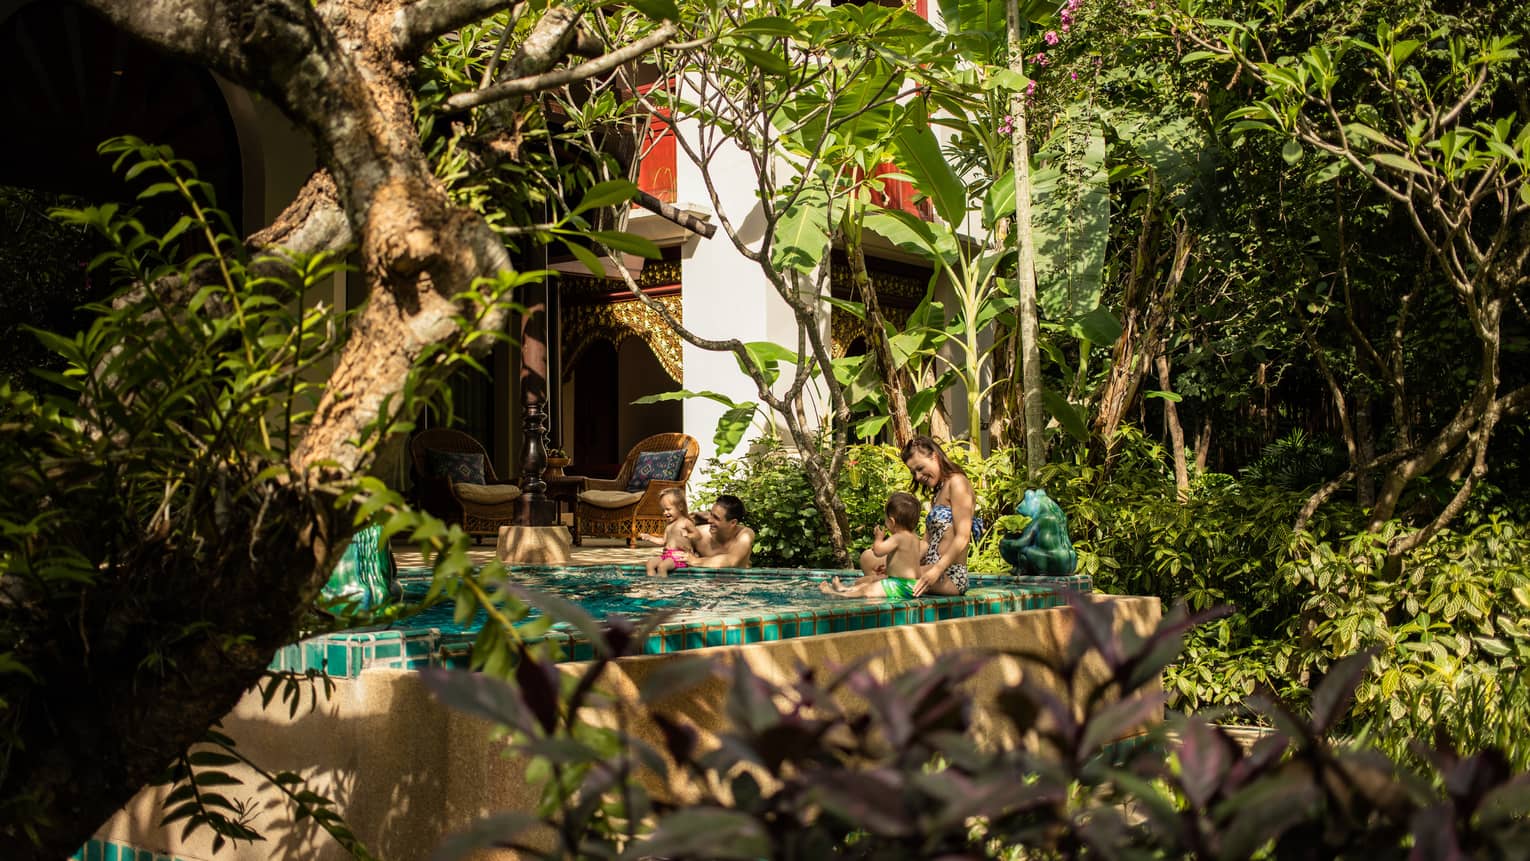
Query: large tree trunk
895,377
1025,268
1146,316
1176,430
1475,418
1004,431
338,70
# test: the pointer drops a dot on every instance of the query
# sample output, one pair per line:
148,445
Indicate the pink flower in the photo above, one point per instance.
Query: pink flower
1006,127
1040,59
1051,37
1073,75
1030,89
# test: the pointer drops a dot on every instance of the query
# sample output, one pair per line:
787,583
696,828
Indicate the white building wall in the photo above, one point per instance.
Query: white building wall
726,295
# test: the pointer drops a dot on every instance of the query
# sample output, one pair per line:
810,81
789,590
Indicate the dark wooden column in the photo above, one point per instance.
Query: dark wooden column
536,508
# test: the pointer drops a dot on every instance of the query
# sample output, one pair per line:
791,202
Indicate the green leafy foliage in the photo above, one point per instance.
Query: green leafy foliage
846,763
1449,649
1296,461
43,265
1448,630
1071,223
172,409
141,486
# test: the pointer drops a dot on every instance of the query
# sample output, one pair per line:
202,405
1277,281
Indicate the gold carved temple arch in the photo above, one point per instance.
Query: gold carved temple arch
601,309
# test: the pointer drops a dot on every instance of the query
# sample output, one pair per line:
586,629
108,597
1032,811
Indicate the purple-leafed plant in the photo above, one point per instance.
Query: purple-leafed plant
799,775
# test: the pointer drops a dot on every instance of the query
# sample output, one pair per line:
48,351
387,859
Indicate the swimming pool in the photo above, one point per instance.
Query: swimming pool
709,607
404,768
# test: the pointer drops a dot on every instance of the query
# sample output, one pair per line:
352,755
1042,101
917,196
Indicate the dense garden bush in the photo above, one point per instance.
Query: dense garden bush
799,775
1451,644
1448,633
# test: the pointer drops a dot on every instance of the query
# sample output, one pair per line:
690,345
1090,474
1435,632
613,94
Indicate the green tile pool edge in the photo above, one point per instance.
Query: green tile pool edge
111,850
345,655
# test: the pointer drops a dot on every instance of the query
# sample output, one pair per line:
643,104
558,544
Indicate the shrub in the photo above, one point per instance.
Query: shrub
1447,655
798,775
1449,632
1297,461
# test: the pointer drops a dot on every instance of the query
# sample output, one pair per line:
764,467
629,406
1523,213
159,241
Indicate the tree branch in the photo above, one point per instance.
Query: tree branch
1401,545
548,80
1515,402
418,24
1317,499
201,31
314,221
547,44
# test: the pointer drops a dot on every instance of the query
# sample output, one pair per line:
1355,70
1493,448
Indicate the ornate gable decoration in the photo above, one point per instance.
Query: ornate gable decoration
587,288
615,322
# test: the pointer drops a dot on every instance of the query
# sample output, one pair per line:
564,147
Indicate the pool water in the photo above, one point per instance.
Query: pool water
708,607
629,591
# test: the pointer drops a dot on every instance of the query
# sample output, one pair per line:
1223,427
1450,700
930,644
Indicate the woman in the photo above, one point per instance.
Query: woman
950,529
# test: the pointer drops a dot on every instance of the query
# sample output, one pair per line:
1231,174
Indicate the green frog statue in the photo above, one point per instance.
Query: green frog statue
1043,546
366,577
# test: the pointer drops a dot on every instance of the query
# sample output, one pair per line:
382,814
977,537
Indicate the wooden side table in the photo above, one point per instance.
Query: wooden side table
566,488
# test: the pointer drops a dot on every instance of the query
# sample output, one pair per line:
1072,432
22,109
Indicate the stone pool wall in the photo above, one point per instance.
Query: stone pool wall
406,770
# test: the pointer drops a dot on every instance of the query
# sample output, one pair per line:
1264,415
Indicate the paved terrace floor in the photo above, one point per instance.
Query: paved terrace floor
594,551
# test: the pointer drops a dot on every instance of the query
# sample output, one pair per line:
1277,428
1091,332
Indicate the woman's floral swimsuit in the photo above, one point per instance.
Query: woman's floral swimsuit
935,525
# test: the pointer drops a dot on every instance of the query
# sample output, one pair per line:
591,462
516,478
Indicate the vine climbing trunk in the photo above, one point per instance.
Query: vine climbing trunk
1025,270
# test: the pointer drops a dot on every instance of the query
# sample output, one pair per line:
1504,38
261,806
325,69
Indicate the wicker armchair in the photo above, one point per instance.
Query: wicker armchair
481,509
607,509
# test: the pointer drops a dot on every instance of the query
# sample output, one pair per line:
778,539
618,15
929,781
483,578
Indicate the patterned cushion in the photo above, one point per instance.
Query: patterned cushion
461,467
663,465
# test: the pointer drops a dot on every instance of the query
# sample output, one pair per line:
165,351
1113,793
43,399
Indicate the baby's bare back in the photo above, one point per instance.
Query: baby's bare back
903,562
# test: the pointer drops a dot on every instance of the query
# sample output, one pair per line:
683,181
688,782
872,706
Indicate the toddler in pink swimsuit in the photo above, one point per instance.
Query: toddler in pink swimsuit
677,540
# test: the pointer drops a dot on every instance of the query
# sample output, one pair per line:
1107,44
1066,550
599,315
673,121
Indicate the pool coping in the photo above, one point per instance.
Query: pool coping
345,654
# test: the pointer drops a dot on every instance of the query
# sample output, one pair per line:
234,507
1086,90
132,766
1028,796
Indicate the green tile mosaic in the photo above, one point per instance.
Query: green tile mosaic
772,605
110,850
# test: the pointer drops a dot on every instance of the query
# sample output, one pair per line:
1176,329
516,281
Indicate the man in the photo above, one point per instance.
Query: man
722,540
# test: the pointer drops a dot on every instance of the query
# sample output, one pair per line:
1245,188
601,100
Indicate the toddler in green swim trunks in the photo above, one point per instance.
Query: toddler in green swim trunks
898,548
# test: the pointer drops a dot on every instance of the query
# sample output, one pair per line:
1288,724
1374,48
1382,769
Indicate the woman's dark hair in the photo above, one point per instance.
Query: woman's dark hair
930,448
904,510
